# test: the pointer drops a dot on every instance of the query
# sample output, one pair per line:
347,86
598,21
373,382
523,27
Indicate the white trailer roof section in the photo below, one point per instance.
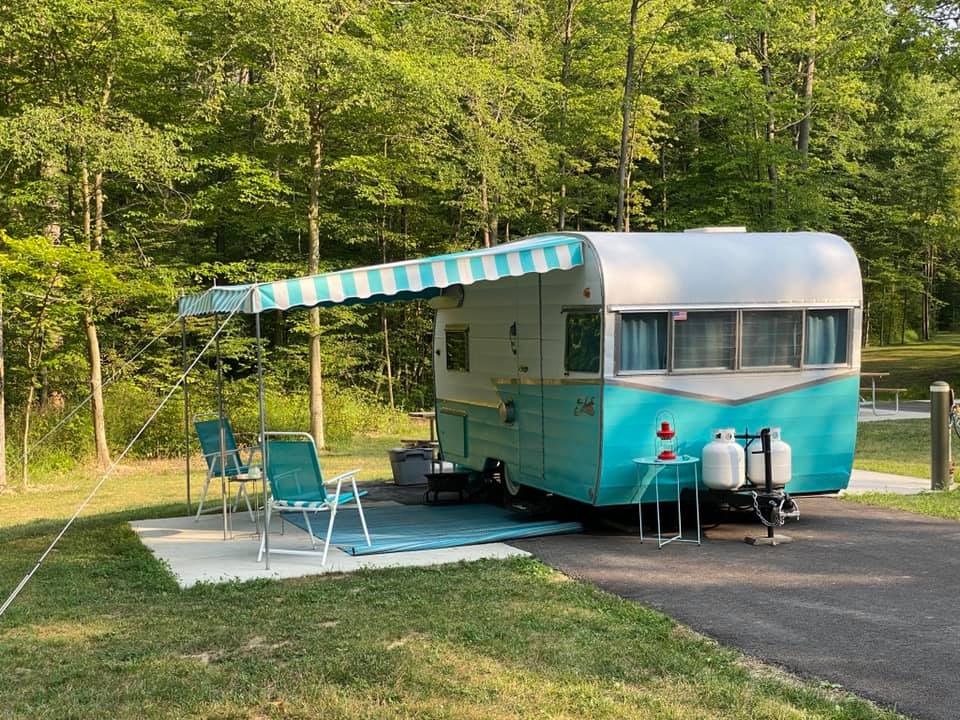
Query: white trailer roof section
714,269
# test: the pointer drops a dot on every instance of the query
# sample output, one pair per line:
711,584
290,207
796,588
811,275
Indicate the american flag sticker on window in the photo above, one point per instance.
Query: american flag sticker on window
679,314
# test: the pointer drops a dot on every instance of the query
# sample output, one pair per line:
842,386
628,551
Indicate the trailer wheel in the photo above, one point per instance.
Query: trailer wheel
511,488
497,474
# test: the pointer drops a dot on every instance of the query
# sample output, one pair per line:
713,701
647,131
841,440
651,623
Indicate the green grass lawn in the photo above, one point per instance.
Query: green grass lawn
916,365
104,631
937,504
901,447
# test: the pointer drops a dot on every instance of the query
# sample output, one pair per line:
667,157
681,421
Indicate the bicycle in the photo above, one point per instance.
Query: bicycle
954,418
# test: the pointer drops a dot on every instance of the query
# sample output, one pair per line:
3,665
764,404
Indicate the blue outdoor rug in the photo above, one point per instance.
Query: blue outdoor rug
401,528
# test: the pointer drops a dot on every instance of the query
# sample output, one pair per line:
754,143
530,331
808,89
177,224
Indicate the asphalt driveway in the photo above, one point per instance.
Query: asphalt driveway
865,598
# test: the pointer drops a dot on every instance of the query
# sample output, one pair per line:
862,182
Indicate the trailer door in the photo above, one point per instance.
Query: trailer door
530,379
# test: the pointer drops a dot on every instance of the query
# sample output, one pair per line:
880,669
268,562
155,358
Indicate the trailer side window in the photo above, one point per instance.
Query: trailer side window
771,338
827,337
582,349
457,346
643,341
704,340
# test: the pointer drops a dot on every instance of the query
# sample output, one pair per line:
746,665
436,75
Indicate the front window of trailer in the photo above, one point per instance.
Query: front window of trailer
643,341
704,340
771,338
827,337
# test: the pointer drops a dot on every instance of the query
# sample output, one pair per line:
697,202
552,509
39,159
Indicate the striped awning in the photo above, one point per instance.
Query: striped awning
407,280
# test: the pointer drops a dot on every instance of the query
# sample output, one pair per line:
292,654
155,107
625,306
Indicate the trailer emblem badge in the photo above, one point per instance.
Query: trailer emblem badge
585,406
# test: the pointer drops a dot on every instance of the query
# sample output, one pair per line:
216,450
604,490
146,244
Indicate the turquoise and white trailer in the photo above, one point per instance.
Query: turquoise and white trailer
554,354
558,376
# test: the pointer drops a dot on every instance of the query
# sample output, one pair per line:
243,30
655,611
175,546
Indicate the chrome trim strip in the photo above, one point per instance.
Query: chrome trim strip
727,401
546,381
454,411
839,305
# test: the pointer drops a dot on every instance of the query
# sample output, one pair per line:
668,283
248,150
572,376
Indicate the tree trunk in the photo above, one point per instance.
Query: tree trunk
25,420
313,223
564,82
926,310
98,209
52,229
96,390
3,411
383,306
803,133
94,243
771,131
903,321
85,200
485,210
626,120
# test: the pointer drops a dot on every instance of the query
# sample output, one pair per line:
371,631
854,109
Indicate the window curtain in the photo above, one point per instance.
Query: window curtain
643,341
705,340
827,337
771,338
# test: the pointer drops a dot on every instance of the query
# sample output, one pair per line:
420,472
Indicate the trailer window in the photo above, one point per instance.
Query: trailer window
457,347
771,338
582,349
704,340
643,341
827,337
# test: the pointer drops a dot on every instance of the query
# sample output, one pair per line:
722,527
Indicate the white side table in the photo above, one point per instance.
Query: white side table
648,471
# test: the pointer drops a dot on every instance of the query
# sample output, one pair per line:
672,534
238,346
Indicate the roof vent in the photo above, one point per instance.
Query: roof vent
718,229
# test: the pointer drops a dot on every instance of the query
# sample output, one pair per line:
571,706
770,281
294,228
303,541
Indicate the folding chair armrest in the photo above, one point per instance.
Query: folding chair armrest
342,476
226,452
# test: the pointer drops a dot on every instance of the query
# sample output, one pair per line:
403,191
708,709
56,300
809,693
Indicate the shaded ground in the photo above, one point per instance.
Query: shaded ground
865,597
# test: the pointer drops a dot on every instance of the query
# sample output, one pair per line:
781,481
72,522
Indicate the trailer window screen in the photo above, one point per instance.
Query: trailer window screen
771,338
827,337
582,349
704,340
457,347
643,341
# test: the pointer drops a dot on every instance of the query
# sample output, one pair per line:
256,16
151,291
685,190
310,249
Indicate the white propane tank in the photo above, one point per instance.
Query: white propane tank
781,459
723,461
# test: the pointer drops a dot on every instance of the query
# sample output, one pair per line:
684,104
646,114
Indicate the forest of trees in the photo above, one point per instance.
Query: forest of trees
154,147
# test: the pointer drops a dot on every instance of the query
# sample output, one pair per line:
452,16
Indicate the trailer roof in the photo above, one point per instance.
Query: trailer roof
703,269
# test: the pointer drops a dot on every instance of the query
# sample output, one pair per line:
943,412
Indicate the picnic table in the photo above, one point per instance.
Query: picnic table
873,377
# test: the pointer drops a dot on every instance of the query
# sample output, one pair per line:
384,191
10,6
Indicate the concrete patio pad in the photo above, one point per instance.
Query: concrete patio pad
196,551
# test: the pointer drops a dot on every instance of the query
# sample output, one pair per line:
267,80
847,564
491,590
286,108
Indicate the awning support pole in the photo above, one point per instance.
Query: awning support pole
223,437
186,409
261,397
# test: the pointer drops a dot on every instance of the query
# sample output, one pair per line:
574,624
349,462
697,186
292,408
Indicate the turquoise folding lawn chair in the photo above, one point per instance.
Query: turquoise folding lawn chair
236,467
296,485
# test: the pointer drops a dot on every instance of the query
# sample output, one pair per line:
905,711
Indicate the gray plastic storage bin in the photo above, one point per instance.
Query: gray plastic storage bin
410,465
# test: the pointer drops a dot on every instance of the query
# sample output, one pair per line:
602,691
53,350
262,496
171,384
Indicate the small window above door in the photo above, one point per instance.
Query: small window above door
457,348
582,344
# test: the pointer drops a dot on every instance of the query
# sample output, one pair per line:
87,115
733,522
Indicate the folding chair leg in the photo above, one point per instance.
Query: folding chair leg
246,499
313,538
363,520
333,515
263,537
203,496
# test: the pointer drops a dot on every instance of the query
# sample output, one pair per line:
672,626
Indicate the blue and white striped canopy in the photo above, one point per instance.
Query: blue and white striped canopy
410,279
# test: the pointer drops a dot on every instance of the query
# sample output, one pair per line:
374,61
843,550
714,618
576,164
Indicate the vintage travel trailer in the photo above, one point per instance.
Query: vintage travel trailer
556,370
